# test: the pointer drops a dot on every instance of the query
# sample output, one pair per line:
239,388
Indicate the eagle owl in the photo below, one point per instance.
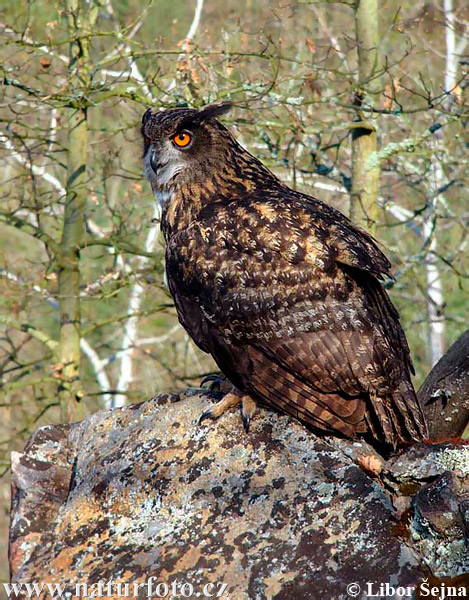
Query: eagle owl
281,289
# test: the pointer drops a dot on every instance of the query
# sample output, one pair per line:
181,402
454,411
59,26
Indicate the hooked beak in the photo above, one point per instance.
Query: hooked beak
153,160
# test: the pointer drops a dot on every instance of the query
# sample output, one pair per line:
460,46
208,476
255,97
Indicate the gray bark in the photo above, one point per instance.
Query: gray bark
445,392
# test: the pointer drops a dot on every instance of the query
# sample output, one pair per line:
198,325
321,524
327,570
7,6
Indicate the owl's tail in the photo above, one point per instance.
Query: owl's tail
398,416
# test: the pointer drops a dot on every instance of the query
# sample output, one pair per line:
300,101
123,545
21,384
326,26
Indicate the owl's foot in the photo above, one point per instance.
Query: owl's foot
215,382
248,408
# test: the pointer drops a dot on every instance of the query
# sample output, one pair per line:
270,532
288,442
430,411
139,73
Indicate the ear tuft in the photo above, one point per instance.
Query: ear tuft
214,110
205,114
148,113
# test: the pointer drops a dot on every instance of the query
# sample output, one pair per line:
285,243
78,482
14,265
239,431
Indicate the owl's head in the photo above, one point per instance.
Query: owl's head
182,144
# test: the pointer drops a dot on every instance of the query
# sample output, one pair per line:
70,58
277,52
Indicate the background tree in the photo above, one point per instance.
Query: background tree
80,252
365,177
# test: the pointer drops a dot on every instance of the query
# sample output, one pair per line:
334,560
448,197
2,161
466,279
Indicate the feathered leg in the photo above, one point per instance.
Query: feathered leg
248,407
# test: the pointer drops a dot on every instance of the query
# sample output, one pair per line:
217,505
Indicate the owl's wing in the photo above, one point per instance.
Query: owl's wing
354,246
190,316
290,308
341,374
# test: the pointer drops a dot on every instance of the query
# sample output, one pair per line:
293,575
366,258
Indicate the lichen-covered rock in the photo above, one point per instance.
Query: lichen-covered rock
276,513
437,477
437,504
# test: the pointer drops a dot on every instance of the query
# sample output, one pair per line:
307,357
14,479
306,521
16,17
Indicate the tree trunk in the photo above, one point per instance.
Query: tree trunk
69,265
365,178
436,182
81,17
445,393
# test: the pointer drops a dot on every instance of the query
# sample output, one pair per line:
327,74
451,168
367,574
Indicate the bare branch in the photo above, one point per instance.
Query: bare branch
34,231
38,171
31,330
97,364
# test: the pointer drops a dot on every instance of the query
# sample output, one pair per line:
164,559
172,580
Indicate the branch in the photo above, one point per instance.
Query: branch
38,171
46,239
406,145
334,43
118,244
12,277
95,361
56,184
31,330
444,394
93,97
36,93
28,41
117,319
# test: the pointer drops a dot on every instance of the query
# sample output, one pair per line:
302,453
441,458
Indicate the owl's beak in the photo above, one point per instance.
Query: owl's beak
153,160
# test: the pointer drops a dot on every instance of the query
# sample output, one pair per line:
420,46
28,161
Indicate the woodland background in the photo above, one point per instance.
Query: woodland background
361,104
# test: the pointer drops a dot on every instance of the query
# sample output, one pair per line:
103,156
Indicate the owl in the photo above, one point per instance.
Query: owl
283,290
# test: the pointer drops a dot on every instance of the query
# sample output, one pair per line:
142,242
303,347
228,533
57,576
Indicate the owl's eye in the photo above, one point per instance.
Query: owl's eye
182,139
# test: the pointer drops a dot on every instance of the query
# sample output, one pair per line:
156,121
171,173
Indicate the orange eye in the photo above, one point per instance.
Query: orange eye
182,139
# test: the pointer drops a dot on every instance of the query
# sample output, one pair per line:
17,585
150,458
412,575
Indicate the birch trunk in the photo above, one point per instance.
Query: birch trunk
435,292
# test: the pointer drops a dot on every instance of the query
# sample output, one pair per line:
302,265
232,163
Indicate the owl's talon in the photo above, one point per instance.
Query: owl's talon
248,408
207,414
216,411
215,380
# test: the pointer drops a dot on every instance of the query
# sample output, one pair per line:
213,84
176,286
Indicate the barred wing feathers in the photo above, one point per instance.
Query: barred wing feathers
283,291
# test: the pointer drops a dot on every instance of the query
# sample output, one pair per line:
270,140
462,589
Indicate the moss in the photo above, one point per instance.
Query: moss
409,488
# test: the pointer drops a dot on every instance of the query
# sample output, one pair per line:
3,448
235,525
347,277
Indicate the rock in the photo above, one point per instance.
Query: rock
444,394
437,507
426,461
277,513
437,476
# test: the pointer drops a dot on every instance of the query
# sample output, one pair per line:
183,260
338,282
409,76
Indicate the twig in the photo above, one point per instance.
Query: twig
31,330
96,362
408,145
38,171
334,42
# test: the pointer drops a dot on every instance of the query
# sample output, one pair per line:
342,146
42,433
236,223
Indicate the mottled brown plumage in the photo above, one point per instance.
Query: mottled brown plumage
280,288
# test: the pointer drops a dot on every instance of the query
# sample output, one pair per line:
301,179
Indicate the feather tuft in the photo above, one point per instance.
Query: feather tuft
212,111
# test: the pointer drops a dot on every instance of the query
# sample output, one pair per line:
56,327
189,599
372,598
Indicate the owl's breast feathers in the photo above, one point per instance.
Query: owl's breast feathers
283,291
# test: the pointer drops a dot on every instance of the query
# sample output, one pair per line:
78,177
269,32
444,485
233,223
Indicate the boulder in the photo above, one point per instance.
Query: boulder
143,494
